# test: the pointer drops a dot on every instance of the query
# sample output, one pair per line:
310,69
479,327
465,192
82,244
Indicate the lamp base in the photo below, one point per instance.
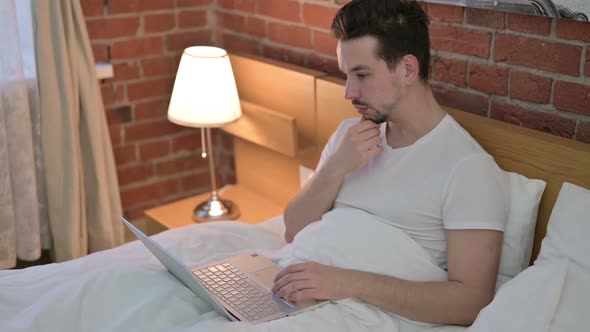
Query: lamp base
215,209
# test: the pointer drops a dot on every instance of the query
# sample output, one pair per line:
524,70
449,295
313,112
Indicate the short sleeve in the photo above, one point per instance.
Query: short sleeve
477,195
333,141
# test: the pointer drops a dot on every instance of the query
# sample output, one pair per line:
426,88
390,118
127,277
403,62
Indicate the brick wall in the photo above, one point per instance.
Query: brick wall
526,70
157,161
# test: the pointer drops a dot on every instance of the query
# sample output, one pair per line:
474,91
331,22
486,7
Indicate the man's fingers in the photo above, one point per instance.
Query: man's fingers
290,269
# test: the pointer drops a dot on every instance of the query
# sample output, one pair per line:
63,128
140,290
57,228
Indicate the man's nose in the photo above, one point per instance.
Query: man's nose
351,91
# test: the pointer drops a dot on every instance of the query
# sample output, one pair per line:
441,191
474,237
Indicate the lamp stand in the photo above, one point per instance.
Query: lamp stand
215,208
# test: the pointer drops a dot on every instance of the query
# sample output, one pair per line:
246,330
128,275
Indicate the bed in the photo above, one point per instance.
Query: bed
289,114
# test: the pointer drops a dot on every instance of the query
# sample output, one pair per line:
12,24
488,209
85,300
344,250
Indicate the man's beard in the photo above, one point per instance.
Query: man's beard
375,116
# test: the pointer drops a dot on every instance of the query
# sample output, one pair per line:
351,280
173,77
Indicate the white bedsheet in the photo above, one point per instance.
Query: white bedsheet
127,289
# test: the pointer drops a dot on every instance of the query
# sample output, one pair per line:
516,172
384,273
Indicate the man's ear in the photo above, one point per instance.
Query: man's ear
411,68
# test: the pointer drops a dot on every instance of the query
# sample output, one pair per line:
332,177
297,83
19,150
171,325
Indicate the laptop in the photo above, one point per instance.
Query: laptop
238,287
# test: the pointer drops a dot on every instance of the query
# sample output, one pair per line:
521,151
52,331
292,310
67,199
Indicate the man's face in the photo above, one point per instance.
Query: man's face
371,86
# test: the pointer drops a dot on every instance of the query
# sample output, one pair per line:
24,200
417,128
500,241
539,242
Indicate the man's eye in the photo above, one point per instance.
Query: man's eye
361,76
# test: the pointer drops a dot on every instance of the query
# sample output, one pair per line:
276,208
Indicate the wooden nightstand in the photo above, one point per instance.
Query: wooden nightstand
253,207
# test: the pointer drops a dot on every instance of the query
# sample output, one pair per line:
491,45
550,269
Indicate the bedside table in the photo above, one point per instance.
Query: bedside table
253,207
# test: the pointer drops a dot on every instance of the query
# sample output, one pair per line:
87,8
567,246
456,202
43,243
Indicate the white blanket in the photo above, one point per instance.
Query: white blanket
127,289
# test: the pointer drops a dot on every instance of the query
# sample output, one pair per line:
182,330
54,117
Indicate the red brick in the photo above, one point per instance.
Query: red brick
102,28
289,35
134,6
587,65
193,3
583,132
161,66
196,181
242,5
242,24
112,94
190,141
488,79
92,7
255,27
327,65
137,48
283,54
530,87
530,24
462,100
140,131
151,110
318,16
238,44
573,30
125,71
141,194
547,122
485,18
115,135
180,165
540,54
324,43
572,97
182,40
100,52
459,40
125,154
192,19
450,71
445,13
134,173
112,117
158,22
231,21
168,188
287,10
154,150
150,88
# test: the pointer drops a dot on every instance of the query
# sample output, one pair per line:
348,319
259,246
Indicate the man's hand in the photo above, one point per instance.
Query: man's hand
312,281
359,144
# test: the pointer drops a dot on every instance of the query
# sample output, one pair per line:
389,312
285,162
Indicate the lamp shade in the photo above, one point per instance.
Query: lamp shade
205,93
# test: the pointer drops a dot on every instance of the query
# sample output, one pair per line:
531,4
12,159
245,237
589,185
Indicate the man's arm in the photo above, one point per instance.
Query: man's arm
359,144
473,260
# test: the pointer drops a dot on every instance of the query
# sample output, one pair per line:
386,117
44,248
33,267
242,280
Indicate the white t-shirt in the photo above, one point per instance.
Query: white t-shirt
445,180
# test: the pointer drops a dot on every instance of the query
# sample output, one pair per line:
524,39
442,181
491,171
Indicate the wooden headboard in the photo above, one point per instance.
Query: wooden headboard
290,113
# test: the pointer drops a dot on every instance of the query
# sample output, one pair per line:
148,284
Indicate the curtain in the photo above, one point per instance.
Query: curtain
81,181
24,225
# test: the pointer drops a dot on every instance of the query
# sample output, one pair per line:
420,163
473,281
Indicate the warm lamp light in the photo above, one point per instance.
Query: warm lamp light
205,96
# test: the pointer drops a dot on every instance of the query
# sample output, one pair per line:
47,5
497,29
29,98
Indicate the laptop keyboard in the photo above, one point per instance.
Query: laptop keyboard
237,290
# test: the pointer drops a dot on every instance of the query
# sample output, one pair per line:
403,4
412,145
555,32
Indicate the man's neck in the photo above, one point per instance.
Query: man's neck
417,114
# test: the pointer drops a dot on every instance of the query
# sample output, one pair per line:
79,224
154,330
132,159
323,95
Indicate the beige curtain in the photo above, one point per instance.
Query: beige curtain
24,223
82,189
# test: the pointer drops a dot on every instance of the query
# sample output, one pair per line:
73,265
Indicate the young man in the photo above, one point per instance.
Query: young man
409,163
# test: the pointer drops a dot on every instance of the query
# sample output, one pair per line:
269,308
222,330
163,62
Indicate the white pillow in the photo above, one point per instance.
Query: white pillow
525,303
519,234
568,237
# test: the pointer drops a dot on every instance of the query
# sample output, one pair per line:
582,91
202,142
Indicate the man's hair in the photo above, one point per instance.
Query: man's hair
400,26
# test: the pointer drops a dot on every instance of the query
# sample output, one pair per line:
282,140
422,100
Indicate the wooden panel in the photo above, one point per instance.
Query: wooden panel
271,174
528,152
332,108
280,87
267,128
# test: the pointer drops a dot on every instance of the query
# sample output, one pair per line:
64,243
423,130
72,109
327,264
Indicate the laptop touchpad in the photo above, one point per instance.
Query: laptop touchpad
266,276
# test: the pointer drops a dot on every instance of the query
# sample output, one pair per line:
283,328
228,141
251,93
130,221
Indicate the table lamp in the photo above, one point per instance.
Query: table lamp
205,96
